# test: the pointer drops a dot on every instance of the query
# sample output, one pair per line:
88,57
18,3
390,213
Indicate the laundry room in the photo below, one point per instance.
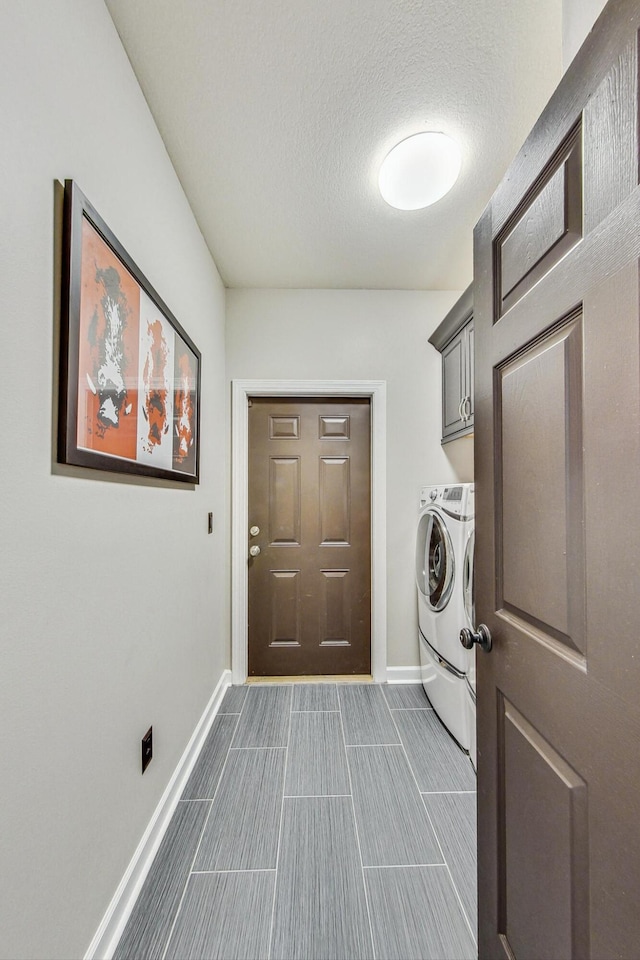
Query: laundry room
467,385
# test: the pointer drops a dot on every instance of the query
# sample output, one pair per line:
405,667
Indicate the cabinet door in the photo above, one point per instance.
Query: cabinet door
454,380
468,410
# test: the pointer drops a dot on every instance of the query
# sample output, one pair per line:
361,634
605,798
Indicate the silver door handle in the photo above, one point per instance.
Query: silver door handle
460,413
254,531
482,638
254,551
467,408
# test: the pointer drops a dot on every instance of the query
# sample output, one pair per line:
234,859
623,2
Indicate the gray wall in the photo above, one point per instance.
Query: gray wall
578,17
364,335
113,599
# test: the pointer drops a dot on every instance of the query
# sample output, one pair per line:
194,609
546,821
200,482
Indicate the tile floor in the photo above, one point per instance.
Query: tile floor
321,822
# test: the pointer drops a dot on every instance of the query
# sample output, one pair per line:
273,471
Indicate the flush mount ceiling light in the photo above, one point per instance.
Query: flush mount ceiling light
419,170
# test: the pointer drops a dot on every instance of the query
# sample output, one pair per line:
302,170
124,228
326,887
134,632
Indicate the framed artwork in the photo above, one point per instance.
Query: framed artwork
129,397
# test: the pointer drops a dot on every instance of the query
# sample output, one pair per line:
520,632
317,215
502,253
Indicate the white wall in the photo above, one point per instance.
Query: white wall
364,335
113,599
578,17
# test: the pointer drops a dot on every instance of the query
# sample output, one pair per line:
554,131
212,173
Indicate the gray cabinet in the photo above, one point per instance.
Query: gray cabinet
454,339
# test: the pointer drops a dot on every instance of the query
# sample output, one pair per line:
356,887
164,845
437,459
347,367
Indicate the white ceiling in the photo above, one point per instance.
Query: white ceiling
277,113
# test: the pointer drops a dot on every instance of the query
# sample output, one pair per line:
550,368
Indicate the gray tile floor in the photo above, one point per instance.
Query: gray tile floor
321,822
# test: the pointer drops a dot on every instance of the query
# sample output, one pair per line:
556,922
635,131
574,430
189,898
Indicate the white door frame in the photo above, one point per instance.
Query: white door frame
376,390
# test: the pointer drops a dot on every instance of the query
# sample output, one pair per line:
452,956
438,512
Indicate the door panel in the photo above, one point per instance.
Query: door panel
545,225
285,608
535,781
309,495
336,605
335,501
557,424
453,376
538,397
284,501
535,232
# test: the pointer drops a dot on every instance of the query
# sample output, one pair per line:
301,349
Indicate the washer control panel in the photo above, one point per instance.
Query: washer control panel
451,498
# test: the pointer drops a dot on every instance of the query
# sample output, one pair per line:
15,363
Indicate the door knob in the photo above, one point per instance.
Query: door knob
254,551
254,531
482,638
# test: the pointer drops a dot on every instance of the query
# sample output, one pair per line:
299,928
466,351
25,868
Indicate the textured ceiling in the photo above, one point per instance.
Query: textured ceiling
277,113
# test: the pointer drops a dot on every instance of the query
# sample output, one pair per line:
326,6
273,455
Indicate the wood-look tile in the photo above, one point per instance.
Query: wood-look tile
264,721
393,825
242,830
315,696
205,775
437,761
316,762
148,928
406,696
320,910
416,915
224,916
365,715
453,816
233,700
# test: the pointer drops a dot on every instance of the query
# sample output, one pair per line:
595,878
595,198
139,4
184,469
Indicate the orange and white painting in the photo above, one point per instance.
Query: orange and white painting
184,408
108,351
156,369
129,374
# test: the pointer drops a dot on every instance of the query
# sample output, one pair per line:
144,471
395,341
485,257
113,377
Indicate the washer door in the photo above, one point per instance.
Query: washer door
434,560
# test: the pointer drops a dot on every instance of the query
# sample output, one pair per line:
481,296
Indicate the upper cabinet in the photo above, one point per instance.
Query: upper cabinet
454,339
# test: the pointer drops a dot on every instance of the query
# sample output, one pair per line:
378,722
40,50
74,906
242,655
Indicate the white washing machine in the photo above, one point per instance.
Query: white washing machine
445,525
470,620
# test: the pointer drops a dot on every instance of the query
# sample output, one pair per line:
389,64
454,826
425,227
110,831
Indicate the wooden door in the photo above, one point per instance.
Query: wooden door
310,498
556,294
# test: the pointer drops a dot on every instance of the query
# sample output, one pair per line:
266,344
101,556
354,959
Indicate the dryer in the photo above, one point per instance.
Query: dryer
445,524
470,620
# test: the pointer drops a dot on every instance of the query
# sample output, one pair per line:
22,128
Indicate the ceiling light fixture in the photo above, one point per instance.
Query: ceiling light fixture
419,170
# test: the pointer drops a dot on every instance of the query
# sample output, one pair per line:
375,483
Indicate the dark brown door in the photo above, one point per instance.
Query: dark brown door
310,500
556,297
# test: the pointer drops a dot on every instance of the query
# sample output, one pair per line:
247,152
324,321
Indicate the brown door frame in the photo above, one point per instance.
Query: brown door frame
375,390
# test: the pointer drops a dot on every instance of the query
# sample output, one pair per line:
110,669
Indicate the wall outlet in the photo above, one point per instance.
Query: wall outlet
147,748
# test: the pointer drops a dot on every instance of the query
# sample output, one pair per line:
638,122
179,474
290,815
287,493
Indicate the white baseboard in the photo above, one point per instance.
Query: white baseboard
110,930
403,675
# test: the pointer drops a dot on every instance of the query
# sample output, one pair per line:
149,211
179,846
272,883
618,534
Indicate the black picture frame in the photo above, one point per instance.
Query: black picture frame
130,376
